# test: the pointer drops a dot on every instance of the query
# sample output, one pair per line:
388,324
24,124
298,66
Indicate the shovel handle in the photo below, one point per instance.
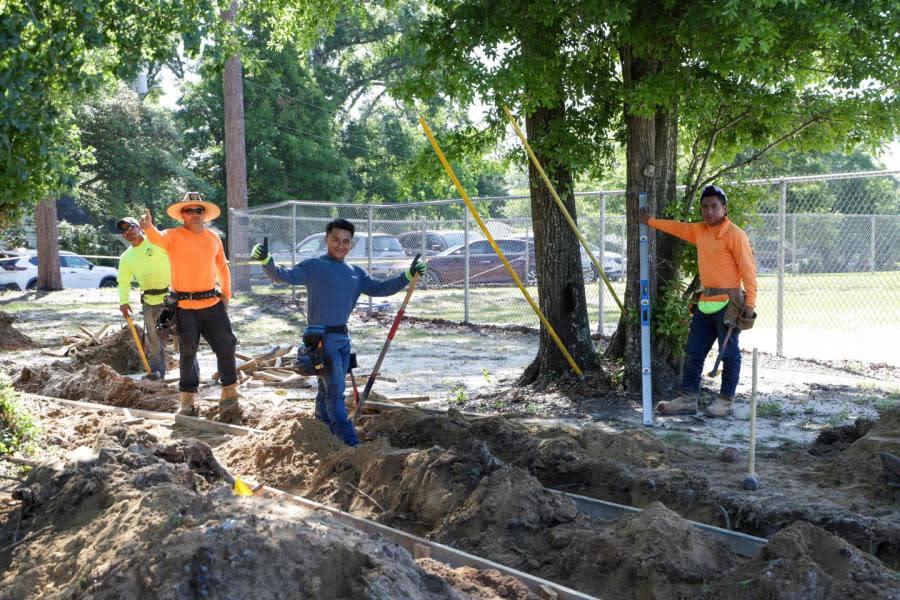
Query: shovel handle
137,342
715,369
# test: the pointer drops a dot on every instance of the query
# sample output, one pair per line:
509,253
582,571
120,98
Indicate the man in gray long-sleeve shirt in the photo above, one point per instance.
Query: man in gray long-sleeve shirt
333,287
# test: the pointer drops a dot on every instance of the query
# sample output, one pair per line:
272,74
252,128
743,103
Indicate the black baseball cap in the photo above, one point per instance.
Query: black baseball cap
126,223
714,190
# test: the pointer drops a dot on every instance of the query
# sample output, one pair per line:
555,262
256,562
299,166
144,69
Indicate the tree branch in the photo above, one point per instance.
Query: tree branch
756,156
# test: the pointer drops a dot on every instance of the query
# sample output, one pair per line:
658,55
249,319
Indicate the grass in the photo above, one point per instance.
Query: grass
769,409
839,418
18,431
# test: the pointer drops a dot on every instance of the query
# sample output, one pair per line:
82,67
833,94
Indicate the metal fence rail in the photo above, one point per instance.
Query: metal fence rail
827,250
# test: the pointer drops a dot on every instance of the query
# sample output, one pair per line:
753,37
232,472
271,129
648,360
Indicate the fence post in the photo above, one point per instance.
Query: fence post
872,244
466,269
293,247
602,258
782,206
369,244
423,250
795,268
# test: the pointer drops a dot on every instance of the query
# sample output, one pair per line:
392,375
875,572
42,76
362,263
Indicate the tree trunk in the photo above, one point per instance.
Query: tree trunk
47,229
558,261
235,163
641,168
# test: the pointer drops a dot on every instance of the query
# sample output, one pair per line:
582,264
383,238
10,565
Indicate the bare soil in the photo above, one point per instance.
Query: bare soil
476,483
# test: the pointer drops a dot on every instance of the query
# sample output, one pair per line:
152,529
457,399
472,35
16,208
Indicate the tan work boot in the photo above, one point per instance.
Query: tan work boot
684,403
229,409
720,408
187,405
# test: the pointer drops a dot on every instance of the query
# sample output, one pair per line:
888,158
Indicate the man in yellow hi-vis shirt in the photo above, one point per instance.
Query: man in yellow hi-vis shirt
149,265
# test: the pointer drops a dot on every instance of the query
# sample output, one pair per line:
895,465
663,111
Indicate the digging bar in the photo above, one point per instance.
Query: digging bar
387,343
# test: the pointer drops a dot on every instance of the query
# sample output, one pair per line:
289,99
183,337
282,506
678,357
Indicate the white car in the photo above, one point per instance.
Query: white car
20,272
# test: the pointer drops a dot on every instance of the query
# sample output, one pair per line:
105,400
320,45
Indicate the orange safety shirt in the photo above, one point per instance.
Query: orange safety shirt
724,256
197,260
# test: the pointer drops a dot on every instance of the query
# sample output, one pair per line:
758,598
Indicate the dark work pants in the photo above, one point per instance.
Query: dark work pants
705,330
215,327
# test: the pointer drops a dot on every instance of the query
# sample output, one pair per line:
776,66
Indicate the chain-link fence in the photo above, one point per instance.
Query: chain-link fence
827,251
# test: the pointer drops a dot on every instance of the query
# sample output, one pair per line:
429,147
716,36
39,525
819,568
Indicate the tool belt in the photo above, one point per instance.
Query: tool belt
156,292
311,358
734,309
213,293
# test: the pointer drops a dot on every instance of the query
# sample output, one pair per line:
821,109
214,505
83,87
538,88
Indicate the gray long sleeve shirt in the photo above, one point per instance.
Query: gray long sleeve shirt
333,286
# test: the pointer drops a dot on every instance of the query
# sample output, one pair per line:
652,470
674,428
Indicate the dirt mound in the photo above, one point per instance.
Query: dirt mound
96,383
10,338
508,517
124,523
860,463
414,489
803,561
489,584
837,439
634,447
119,352
653,554
284,457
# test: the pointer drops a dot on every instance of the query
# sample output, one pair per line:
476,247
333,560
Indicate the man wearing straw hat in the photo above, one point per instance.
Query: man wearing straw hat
197,259
149,265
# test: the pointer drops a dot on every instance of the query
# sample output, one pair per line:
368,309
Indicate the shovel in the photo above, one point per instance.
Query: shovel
137,342
387,343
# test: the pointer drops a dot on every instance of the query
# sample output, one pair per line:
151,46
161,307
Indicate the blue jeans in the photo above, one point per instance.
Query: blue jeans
330,407
706,329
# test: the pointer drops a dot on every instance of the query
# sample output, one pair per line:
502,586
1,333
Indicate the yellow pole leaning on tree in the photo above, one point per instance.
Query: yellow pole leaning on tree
562,207
490,239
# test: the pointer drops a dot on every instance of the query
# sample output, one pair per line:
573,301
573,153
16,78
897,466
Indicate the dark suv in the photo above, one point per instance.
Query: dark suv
435,241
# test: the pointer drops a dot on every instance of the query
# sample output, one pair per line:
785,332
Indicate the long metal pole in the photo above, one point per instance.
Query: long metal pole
369,243
563,209
466,269
646,379
872,245
601,309
497,250
779,311
294,247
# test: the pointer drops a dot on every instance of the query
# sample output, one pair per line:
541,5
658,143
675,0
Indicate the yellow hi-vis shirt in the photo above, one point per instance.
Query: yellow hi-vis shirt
149,264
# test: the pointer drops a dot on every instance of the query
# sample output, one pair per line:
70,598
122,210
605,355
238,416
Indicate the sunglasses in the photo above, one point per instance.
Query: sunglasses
196,210
127,229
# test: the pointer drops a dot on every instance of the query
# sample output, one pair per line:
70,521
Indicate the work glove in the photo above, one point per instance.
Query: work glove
417,267
260,252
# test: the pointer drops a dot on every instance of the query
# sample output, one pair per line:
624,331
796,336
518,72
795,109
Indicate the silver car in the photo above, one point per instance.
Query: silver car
386,250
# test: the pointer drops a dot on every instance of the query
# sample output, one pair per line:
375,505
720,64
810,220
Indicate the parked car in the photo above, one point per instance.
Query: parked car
449,267
613,264
386,249
20,273
435,241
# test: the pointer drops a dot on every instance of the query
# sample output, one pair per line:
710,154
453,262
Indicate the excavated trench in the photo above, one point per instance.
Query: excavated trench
478,485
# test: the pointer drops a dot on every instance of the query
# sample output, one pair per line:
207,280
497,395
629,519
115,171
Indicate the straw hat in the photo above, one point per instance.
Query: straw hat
193,199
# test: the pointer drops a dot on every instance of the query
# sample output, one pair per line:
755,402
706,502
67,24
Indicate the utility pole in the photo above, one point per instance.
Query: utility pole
235,161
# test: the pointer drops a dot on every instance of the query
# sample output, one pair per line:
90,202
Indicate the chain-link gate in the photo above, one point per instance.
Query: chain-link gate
827,251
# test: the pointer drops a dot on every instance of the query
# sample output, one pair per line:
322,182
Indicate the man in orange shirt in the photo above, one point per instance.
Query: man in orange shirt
197,261
725,261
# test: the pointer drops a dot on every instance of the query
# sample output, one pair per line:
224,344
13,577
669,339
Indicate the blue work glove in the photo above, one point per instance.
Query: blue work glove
260,252
417,267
